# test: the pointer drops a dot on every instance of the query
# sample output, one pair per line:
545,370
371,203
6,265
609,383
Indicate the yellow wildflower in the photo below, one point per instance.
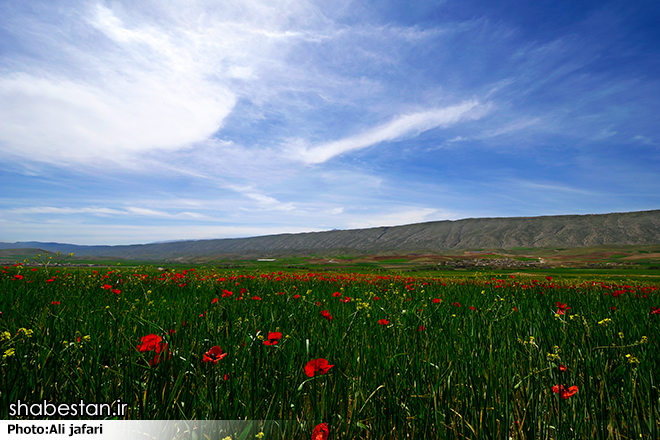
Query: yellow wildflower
9,353
27,332
632,359
552,357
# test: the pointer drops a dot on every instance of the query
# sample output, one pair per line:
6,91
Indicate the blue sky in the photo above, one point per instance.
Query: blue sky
134,122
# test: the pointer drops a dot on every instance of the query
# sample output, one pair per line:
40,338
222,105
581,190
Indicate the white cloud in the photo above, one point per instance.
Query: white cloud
401,127
603,134
69,231
643,139
398,217
162,77
65,210
162,214
148,93
74,225
517,125
160,81
61,121
104,212
536,187
264,202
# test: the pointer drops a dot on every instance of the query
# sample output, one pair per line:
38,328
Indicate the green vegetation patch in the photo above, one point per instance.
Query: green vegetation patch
480,355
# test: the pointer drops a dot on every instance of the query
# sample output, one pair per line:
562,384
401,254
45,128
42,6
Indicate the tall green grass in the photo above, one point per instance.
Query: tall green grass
479,362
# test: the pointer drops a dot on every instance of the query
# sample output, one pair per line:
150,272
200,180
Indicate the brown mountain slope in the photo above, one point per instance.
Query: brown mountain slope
565,231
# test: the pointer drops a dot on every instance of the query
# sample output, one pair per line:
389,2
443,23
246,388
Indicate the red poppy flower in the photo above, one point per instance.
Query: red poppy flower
215,300
149,342
256,298
565,394
116,291
562,367
57,303
472,308
317,366
421,328
437,300
155,343
345,300
383,322
655,310
618,293
376,298
18,277
213,355
326,315
296,296
561,308
273,338
321,432
456,304
107,286
336,294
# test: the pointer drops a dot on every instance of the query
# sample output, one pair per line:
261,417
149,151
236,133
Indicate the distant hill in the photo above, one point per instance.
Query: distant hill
562,231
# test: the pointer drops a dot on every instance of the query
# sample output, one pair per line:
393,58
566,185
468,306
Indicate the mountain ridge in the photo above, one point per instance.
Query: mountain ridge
556,231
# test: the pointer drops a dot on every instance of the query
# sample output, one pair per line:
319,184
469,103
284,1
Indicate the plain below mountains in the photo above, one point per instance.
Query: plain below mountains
562,231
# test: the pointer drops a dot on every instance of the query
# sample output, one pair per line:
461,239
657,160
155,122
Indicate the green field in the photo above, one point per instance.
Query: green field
473,355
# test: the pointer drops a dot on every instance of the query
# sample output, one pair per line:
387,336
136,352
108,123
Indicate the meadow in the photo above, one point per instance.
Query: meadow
373,356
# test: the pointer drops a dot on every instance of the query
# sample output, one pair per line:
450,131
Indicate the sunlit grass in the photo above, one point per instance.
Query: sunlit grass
470,357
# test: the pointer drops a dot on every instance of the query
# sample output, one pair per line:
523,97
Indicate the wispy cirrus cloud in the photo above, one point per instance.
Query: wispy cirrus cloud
401,216
552,188
104,212
65,210
409,125
160,80
139,93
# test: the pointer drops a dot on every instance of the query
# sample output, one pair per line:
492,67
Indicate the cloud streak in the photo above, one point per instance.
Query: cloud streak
405,126
104,212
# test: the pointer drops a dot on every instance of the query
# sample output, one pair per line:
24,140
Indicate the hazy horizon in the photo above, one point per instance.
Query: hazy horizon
304,232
